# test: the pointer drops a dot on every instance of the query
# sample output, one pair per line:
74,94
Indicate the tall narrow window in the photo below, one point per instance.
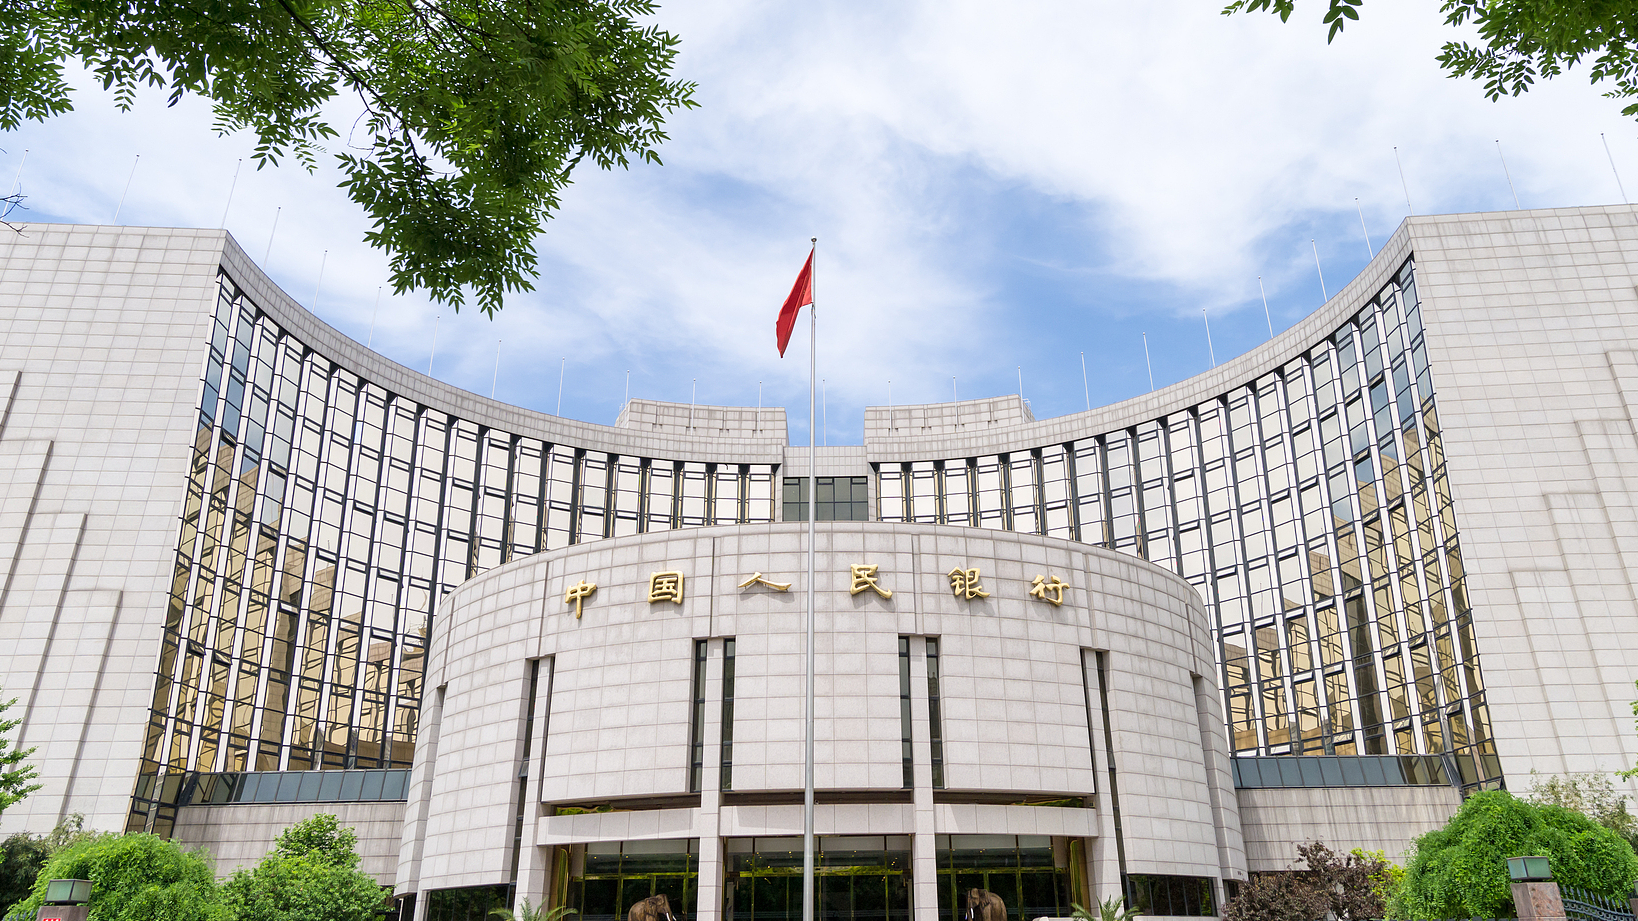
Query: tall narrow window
727,713
935,723
696,726
906,751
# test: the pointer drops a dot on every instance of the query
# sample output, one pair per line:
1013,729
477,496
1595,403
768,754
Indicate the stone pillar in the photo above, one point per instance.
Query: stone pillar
1538,901
710,882
924,840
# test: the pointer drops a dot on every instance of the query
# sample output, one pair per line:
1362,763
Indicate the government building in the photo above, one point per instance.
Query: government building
251,571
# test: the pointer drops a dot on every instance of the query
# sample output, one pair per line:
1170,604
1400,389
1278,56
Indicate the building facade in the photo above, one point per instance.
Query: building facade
232,540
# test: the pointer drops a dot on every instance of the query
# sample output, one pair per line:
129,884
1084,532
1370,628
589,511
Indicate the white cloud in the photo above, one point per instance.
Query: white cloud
1165,155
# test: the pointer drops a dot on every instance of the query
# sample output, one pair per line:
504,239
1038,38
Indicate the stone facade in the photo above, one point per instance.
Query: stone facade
1019,694
1492,620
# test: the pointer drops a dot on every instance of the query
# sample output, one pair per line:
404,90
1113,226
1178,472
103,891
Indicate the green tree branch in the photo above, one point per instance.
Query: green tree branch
476,111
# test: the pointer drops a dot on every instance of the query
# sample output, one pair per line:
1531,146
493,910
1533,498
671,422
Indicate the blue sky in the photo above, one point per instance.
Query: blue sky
994,189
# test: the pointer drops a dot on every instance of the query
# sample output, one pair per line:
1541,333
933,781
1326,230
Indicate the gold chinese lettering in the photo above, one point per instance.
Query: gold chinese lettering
665,586
864,577
578,593
757,579
964,582
1051,590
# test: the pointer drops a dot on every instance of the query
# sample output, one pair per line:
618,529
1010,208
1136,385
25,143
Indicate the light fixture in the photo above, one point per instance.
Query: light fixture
68,892
1529,869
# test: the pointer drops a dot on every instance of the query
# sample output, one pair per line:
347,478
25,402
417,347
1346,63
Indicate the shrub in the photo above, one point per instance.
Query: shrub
1460,871
22,855
310,875
135,878
1328,884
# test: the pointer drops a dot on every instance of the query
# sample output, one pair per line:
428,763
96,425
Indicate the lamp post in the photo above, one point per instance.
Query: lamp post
1535,895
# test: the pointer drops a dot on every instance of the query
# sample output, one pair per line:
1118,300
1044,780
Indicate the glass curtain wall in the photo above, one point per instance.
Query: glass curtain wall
617,875
1021,870
855,879
325,518
1311,510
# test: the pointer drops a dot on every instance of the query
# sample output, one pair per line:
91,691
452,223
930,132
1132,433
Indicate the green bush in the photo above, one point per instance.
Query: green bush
310,875
136,878
22,855
1460,871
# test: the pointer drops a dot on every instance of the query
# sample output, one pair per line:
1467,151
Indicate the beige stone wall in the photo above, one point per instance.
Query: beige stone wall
612,723
239,835
1276,820
102,333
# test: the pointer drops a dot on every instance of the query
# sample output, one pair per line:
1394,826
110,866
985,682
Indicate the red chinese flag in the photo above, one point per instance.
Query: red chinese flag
801,295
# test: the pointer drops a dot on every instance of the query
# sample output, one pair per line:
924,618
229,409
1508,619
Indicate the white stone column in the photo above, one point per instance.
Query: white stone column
1103,861
923,844
710,867
534,861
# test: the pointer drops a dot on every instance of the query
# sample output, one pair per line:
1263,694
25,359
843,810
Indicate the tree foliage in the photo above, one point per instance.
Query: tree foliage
22,855
310,875
475,111
1460,871
16,776
1519,41
1275,897
1592,795
136,878
1327,884
321,838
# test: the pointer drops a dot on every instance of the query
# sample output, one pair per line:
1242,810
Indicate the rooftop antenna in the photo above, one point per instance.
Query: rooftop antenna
691,391
434,351
890,406
1402,182
316,285
1020,383
1606,153
496,378
371,340
954,396
1152,364
628,390
269,253
758,427
16,185
1368,251
1209,350
121,206
562,366
1084,386
1323,293
1506,172
231,186
1266,315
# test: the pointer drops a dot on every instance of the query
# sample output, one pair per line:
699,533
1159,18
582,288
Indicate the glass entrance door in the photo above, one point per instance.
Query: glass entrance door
855,879
1021,870
618,875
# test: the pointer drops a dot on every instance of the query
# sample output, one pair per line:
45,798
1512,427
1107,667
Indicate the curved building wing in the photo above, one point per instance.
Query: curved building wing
228,534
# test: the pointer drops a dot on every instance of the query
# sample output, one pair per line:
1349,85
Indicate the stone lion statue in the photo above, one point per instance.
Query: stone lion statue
984,905
653,908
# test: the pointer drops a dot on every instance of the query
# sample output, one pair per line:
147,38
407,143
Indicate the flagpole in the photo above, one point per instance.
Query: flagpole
813,503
